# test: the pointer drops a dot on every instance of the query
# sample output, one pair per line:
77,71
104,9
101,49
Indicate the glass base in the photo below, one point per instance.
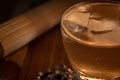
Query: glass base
88,78
82,77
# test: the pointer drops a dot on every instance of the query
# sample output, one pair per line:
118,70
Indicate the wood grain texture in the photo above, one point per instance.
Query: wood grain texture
44,52
1,51
19,55
20,30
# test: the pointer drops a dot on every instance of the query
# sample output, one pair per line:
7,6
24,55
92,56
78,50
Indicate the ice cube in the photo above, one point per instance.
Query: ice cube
102,25
95,17
100,32
69,25
84,9
77,17
74,27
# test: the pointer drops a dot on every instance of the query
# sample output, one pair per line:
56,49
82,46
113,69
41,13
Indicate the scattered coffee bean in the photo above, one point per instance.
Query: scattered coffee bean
58,73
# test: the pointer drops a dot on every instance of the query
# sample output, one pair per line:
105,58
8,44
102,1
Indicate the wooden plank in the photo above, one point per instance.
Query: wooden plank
44,52
21,30
19,55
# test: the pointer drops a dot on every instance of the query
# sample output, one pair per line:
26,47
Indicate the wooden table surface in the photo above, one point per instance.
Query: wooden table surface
42,53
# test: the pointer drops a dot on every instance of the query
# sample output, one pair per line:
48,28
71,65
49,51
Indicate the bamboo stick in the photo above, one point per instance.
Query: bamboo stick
22,29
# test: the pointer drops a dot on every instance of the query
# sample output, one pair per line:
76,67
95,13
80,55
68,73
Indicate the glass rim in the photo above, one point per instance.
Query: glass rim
84,43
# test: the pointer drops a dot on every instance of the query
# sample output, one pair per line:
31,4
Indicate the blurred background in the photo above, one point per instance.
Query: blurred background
12,8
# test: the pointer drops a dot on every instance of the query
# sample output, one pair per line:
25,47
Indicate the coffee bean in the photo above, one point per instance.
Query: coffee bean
76,78
58,73
40,74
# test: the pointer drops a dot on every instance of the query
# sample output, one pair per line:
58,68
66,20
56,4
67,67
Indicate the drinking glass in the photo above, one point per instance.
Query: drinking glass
91,38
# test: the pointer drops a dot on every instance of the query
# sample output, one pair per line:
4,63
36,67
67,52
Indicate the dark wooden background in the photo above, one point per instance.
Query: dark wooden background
12,8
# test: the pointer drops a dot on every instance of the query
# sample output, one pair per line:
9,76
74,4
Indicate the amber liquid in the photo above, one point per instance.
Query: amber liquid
93,55
93,61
